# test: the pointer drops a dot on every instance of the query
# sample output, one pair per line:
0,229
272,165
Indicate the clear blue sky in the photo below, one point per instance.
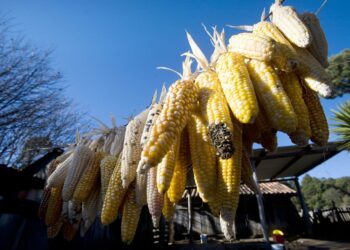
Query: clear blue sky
108,51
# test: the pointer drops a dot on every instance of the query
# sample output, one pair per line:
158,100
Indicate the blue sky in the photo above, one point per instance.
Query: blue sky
108,51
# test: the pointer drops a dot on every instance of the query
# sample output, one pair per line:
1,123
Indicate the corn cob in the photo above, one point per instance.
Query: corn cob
132,148
57,178
89,178
89,211
154,197
114,197
64,213
268,137
319,47
107,166
237,87
313,74
165,169
229,176
180,101
295,93
118,142
288,21
318,121
178,181
273,98
130,219
68,231
215,204
168,209
54,206
141,189
53,230
251,134
81,157
255,46
74,213
227,228
44,203
109,139
247,172
203,158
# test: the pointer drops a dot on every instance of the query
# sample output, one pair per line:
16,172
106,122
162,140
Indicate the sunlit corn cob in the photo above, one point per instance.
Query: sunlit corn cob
180,101
89,178
284,57
114,197
319,46
247,172
227,228
215,204
313,73
237,86
118,142
141,189
229,177
132,148
107,166
294,91
57,178
255,46
183,161
168,209
81,158
68,231
89,210
203,158
54,206
268,137
318,121
154,197
288,21
272,96
130,218
53,230
165,168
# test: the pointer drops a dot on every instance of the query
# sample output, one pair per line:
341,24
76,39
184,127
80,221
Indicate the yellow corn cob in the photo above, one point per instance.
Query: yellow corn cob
113,198
318,121
130,218
255,46
216,112
251,134
68,231
180,101
168,209
268,137
81,157
247,172
54,206
237,86
44,203
89,210
132,148
58,176
165,169
313,74
53,230
154,197
272,97
203,158
178,181
284,57
215,204
89,178
288,21
107,166
294,91
229,177
319,46
141,189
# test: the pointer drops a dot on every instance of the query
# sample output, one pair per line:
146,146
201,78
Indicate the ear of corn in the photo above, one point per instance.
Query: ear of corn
114,196
118,142
268,137
53,230
215,204
318,120
168,209
89,178
288,21
81,157
203,158
272,96
74,213
153,115
68,231
107,166
141,189
130,218
44,203
54,206
255,46
57,178
154,197
237,87
89,211
180,101
319,46
247,172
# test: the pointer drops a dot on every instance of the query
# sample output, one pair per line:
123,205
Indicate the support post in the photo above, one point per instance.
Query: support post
189,210
306,216
259,200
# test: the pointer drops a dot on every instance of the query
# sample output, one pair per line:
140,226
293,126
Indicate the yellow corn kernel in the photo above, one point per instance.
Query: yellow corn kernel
203,158
268,137
272,97
154,197
288,21
237,87
54,206
141,189
44,203
168,209
53,230
107,166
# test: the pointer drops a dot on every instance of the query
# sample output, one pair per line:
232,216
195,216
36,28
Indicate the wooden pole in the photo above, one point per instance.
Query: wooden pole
189,210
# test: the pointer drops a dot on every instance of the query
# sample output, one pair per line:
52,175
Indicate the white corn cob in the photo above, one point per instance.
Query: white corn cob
56,179
118,142
74,213
141,189
154,198
89,211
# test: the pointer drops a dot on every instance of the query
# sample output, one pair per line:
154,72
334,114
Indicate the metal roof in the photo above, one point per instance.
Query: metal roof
291,161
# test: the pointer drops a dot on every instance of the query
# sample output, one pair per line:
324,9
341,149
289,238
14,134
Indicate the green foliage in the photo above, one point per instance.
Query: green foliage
321,193
339,69
342,126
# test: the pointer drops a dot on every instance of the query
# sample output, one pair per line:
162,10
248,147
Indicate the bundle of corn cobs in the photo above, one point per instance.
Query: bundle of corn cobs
264,81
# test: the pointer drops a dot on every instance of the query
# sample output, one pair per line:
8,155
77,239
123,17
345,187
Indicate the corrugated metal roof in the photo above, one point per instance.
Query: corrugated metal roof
268,188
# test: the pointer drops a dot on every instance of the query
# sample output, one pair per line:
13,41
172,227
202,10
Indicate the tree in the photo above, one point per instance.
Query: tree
342,126
32,100
339,69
